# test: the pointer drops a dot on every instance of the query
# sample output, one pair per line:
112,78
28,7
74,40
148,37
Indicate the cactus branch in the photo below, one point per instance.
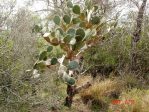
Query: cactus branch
72,91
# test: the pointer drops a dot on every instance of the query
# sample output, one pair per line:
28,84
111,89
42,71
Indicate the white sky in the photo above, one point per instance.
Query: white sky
38,5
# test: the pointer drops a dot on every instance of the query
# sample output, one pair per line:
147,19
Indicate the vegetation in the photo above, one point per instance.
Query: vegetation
81,56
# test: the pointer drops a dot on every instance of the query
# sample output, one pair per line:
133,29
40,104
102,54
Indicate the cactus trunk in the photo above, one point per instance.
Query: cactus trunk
72,90
70,95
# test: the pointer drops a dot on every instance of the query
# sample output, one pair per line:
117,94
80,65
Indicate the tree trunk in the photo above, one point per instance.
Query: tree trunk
72,90
136,35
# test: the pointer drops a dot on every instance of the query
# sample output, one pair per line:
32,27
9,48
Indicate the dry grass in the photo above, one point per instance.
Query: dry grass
138,101
132,80
100,94
83,79
103,88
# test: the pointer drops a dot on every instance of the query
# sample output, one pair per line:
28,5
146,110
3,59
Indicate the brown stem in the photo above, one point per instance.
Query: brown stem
72,90
70,95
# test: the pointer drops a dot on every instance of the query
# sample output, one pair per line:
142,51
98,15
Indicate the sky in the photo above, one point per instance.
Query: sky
38,5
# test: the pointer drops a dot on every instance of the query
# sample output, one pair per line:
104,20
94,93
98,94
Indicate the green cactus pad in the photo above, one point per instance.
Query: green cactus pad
39,65
78,46
69,4
71,32
80,34
54,61
95,20
67,19
76,20
49,49
68,38
43,55
76,9
71,81
57,20
53,34
73,65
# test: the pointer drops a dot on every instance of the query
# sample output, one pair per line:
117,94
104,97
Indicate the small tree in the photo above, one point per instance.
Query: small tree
76,30
137,35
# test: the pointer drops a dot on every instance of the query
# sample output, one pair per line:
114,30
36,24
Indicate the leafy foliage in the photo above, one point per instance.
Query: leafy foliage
74,33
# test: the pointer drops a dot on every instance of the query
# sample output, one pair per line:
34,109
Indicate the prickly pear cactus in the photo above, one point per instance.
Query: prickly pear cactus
75,32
